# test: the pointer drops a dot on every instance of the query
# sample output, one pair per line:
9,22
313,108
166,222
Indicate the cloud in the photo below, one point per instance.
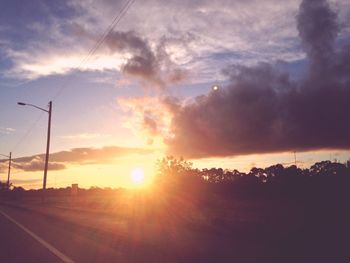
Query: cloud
36,64
148,117
150,124
26,181
318,29
3,166
60,160
148,65
6,130
126,52
95,155
85,136
192,34
187,32
37,163
262,110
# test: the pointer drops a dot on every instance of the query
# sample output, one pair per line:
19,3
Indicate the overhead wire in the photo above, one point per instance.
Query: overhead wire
30,129
98,44
91,52
109,29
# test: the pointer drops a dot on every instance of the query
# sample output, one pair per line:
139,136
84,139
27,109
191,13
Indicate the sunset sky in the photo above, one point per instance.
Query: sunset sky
282,68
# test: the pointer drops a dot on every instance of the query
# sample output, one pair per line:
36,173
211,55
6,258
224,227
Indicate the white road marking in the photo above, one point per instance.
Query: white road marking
59,254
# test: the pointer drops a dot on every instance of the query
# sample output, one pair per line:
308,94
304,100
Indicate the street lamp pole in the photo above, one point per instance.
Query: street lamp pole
48,137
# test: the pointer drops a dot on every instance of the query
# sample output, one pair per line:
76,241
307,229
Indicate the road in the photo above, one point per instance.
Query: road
27,236
321,235
73,244
17,246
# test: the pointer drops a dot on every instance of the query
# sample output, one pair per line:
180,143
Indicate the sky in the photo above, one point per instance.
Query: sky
145,90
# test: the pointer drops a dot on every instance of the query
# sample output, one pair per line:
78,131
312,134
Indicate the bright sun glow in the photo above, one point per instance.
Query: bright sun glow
137,176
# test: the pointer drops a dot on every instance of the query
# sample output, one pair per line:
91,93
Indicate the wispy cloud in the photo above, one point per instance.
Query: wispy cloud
81,156
6,130
189,32
36,163
37,64
148,117
85,136
26,181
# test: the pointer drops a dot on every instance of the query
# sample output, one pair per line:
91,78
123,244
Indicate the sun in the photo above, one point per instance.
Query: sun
137,176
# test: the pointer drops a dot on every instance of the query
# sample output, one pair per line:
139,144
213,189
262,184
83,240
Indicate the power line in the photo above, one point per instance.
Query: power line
28,132
91,52
98,44
109,29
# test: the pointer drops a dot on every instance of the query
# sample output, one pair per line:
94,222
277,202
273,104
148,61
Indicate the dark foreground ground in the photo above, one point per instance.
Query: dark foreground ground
140,229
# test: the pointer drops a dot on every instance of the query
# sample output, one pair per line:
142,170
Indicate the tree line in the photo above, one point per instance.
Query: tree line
173,172
275,178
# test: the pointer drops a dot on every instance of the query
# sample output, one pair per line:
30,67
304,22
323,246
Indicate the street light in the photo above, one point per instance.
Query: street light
48,137
9,170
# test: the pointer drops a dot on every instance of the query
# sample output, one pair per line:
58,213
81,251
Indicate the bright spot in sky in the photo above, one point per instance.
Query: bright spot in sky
137,176
215,88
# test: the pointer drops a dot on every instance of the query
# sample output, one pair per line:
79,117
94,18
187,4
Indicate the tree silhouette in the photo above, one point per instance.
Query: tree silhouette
327,168
170,166
4,186
279,178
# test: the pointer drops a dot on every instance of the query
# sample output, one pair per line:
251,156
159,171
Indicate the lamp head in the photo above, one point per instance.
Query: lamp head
21,103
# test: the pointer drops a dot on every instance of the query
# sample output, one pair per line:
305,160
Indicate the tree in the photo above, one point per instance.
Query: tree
327,168
170,166
4,186
259,173
274,171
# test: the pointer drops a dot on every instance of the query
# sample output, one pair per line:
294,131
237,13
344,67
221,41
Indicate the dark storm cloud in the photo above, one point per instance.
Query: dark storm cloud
318,29
262,110
151,66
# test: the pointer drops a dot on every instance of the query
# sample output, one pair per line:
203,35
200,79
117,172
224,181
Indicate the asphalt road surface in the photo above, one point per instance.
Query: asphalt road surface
322,235
18,246
29,237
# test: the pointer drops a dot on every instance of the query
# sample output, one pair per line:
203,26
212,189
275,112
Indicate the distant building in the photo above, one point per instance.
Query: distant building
74,190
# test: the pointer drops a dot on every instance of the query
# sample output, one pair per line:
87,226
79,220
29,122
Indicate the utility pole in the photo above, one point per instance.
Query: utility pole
47,146
9,172
295,158
9,169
